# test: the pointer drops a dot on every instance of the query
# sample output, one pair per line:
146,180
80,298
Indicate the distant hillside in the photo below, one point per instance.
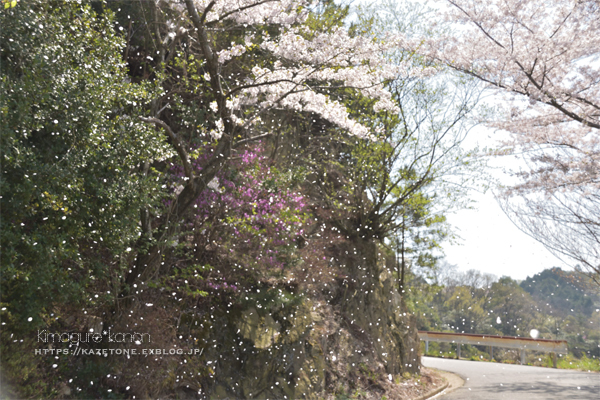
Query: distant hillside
562,292
555,303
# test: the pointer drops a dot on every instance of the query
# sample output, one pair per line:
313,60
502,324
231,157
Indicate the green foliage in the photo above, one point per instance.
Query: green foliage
9,3
583,364
71,150
464,310
513,307
271,301
569,301
187,279
85,183
24,370
327,16
467,303
419,298
562,291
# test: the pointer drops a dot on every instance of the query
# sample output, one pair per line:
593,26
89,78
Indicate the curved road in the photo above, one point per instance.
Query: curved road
491,381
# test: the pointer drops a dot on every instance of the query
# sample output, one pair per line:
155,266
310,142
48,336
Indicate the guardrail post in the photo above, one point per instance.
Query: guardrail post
554,359
426,346
522,356
491,353
458,351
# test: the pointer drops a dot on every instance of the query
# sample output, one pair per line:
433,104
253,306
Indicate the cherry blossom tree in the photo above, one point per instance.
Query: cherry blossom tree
255,57
544,58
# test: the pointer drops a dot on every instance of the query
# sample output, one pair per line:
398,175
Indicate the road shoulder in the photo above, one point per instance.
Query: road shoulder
453,382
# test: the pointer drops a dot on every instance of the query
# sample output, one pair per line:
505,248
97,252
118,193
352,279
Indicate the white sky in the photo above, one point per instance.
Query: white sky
490,241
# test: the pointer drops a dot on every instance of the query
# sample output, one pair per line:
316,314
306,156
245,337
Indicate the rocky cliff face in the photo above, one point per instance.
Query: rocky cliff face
329,338
332,327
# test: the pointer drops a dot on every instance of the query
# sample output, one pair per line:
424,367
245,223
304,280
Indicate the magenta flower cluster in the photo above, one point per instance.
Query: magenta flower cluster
224,286
248,211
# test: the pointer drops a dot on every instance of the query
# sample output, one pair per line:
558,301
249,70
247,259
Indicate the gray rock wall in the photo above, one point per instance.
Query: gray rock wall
349,335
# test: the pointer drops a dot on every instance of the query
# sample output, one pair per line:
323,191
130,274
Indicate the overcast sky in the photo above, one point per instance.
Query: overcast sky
490,242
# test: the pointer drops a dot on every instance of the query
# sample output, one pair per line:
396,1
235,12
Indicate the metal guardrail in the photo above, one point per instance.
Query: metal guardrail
512,342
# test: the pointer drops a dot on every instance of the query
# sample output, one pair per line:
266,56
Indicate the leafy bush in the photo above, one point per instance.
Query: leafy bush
71,147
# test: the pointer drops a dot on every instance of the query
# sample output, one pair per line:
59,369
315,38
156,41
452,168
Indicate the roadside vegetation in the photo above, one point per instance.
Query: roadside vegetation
218,177
553,304
253,184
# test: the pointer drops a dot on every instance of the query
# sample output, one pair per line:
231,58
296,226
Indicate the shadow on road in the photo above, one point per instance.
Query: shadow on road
545,389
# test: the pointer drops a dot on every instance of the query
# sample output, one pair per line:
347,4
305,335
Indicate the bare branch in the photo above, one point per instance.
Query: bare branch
251,139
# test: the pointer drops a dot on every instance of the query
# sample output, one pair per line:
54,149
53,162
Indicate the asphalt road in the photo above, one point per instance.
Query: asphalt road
492,381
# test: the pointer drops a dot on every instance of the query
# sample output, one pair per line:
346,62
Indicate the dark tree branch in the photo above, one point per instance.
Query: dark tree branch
185,160
251,139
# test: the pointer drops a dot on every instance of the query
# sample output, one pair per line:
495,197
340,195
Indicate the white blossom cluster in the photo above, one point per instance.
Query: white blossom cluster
544,52
326,60
307,65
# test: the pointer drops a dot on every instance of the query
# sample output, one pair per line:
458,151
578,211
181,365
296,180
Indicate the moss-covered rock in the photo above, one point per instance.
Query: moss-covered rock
261,331
315,346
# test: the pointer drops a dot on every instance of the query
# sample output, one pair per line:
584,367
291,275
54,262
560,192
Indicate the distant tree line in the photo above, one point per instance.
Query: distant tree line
557,304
